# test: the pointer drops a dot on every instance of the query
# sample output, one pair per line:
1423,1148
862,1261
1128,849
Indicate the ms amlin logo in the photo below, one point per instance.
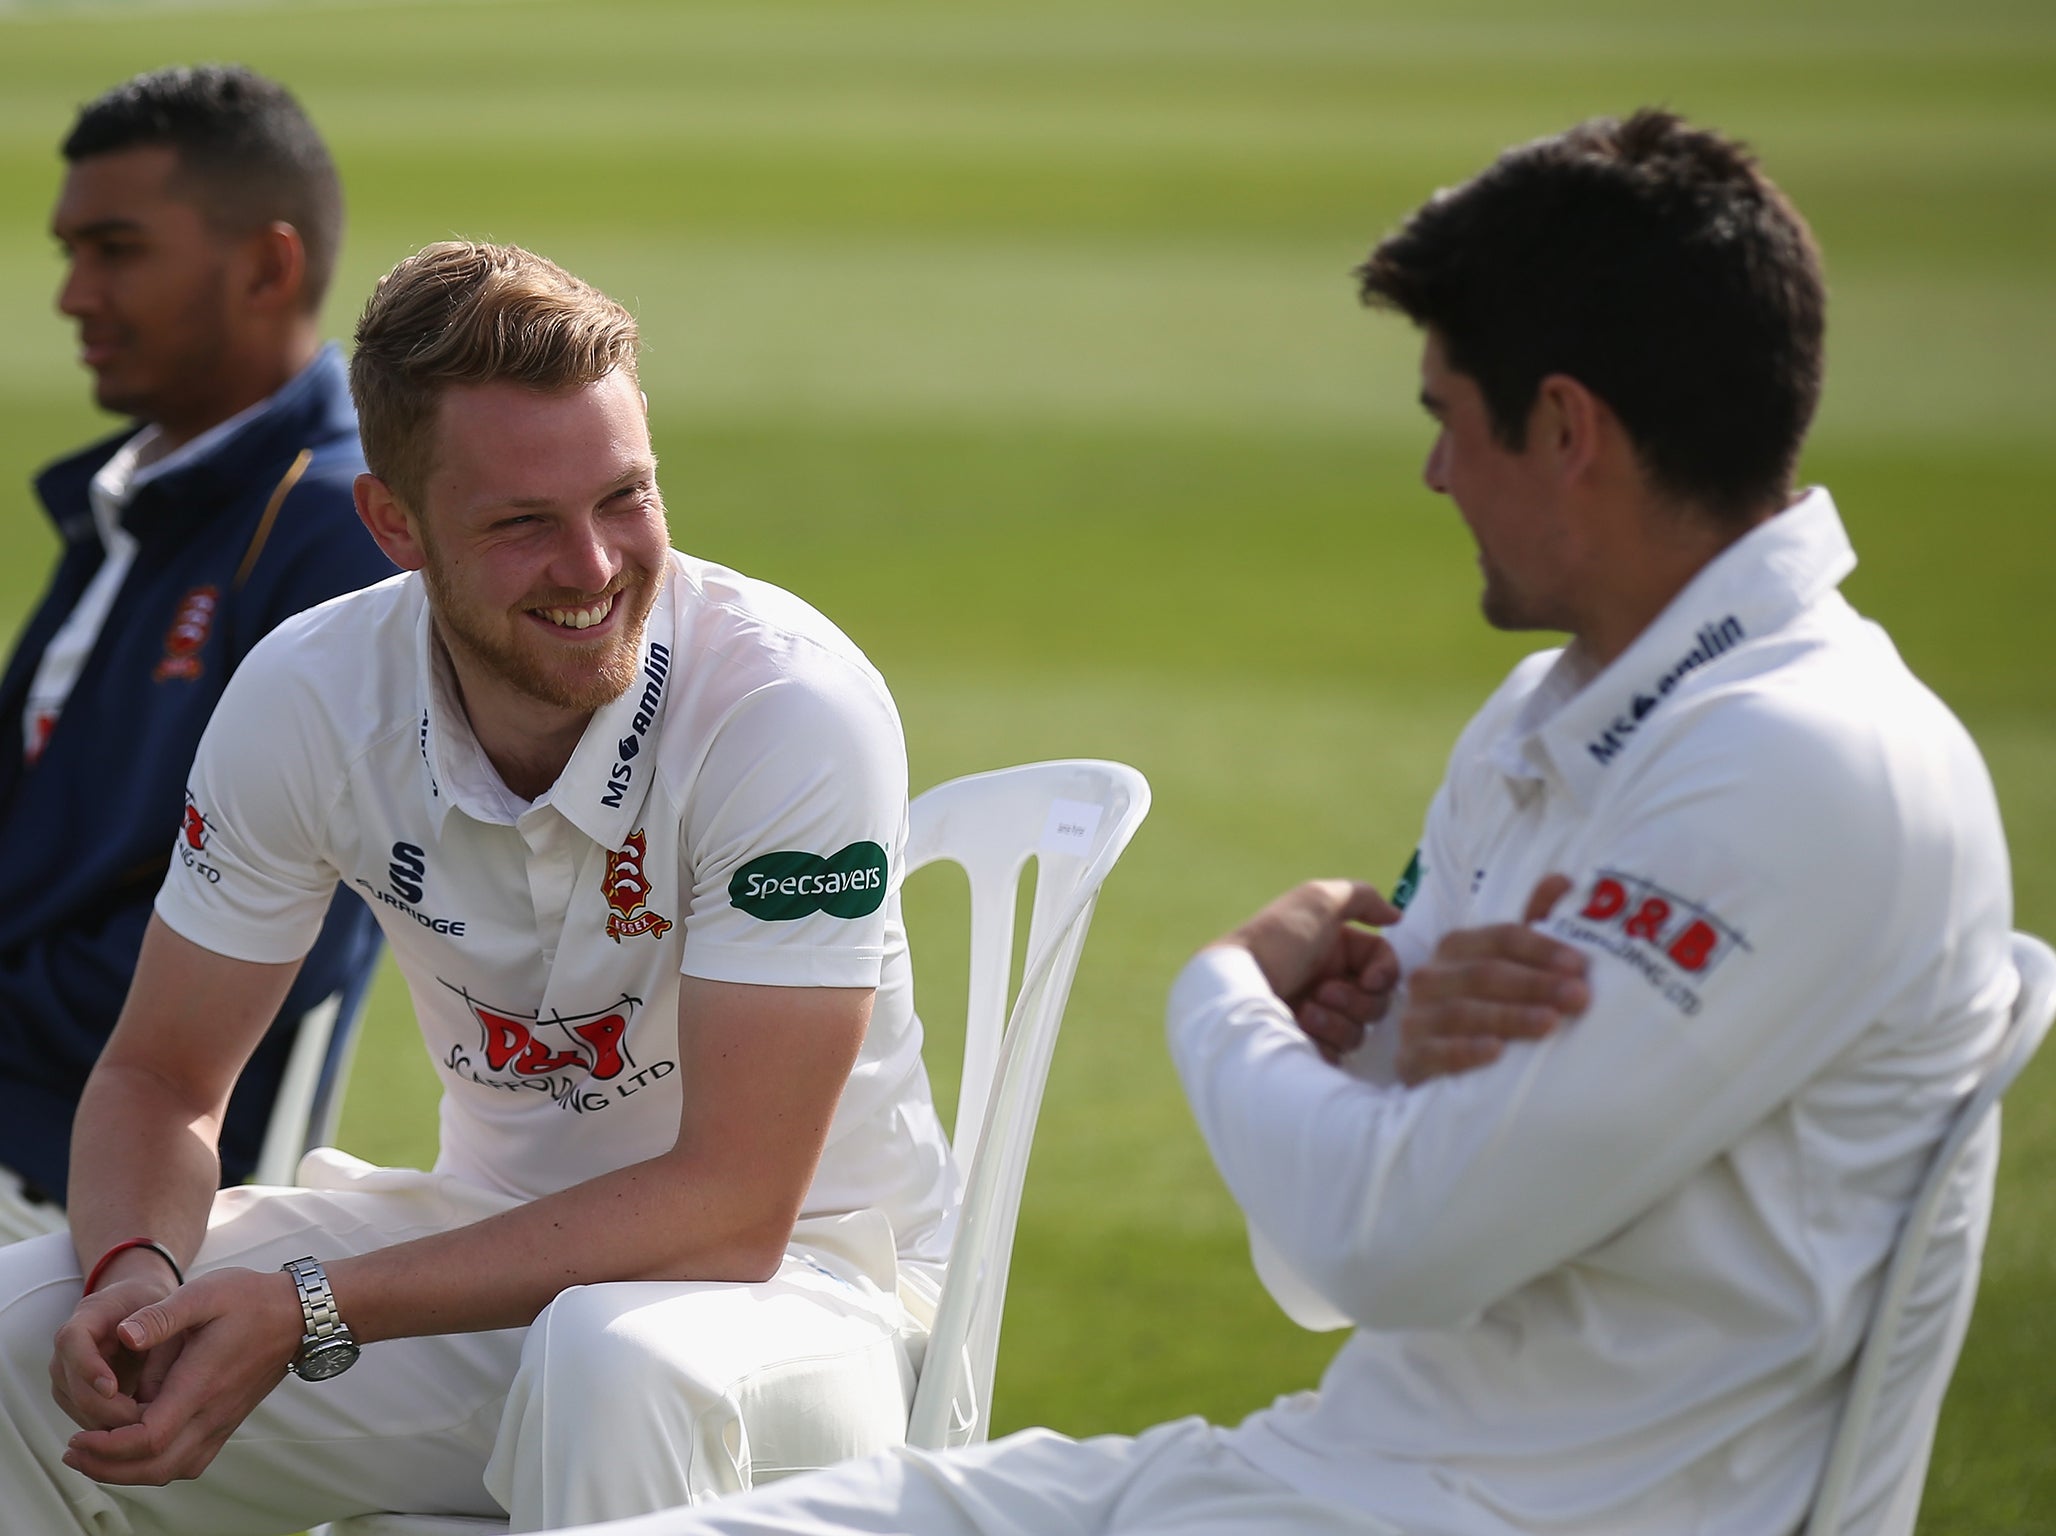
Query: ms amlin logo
782,887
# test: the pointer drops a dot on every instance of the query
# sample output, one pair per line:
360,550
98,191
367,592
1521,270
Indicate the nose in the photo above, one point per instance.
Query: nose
75,295
1434,473
584,560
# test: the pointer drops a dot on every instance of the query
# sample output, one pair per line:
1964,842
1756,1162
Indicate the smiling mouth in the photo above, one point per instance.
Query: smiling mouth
584,617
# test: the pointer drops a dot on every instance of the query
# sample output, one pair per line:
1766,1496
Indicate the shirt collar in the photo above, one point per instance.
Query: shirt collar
1578,726
217,438
601,790
443,724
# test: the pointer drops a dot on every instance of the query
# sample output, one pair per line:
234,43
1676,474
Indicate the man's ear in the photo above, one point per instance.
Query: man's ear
1568,423
274,275
391,526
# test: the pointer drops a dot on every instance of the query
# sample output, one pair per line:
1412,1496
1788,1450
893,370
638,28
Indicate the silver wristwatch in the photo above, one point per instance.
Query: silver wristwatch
326,1348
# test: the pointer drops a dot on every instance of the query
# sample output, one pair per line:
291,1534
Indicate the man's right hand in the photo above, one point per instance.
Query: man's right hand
98,1381
1486,986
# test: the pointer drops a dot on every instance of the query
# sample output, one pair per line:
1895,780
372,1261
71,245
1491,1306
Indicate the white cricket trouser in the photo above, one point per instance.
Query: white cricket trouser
22,1217
1177,1479
620,1399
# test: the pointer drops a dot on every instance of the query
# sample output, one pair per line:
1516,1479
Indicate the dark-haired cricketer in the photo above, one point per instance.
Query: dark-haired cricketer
199,220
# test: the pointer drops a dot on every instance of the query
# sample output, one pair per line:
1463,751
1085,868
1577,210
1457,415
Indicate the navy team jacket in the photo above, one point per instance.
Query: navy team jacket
227,547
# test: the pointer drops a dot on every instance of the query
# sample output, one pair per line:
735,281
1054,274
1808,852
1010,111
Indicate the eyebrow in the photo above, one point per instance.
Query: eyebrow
107,226
646,471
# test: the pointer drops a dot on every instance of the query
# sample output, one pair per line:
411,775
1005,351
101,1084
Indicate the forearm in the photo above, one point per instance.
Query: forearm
655,1220
143,1164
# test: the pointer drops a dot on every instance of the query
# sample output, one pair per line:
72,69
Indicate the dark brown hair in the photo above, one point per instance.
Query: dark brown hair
1654,263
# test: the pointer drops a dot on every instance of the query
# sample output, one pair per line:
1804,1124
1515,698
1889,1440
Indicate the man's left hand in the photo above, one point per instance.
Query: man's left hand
1332,972
237,1330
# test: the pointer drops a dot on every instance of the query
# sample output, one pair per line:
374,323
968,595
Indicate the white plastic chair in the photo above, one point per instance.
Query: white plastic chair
1075,818
1876,1467
309,1101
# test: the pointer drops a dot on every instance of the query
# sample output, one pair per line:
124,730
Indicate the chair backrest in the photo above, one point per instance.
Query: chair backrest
1877,1465
1074,818
310,1092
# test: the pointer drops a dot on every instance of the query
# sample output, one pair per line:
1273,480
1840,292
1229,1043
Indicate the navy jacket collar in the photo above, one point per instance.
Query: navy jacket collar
311,408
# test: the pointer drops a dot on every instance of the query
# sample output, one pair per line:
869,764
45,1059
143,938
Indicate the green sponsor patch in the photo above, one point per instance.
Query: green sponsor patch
781,887
1409,882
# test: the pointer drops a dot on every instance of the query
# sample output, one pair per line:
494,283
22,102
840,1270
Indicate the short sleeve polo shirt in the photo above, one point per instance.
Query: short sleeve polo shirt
738,814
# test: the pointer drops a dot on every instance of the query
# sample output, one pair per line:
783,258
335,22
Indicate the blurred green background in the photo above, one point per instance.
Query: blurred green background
1020,338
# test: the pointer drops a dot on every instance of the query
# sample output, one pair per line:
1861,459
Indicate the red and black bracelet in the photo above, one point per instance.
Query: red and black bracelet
123,1246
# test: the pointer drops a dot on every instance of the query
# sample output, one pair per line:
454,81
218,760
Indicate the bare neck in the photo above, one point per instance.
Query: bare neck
259,376
527,741
1653,556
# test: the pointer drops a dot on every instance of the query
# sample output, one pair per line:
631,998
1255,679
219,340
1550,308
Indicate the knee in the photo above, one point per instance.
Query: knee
39,1288
600,1337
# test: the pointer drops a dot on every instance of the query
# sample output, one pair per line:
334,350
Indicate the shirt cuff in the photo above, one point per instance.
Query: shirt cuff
759,966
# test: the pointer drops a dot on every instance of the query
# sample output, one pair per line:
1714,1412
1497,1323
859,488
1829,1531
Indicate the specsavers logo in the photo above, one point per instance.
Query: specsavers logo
783,887
627,889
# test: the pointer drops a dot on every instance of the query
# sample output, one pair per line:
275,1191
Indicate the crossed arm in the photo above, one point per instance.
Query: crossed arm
1481,988
158,1375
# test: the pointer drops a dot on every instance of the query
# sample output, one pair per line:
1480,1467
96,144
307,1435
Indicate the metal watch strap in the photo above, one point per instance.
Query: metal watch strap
317,1301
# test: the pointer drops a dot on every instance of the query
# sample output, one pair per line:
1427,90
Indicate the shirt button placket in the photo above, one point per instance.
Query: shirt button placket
552,869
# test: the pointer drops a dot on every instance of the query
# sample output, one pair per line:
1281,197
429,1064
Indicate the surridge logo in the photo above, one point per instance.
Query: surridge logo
1711,641
627,890
656,668
407,875
784,887
407,871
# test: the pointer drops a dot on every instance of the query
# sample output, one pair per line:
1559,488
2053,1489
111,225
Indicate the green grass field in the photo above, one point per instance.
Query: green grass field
1020,338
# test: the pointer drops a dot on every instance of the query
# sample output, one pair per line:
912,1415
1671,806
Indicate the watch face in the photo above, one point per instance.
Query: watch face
329,1358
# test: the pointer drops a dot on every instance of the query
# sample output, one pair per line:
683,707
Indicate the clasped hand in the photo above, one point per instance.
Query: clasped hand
1480,989
157,1377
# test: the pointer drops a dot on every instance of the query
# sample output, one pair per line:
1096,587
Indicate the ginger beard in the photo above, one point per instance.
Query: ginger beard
537,658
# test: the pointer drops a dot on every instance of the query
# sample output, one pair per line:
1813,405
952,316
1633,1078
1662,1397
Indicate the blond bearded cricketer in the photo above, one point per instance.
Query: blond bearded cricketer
632,824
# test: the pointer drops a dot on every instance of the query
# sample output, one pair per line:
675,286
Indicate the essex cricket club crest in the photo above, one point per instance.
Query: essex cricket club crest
187,636
627,889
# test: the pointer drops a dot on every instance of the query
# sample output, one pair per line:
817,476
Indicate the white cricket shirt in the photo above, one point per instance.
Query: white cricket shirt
738,814
1612,1283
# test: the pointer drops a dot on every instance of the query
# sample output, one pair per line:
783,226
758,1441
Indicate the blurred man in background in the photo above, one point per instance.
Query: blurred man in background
1606,1276
199,220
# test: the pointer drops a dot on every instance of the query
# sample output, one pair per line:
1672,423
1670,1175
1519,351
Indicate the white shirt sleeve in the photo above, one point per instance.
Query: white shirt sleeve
250,874
795,828
1748,914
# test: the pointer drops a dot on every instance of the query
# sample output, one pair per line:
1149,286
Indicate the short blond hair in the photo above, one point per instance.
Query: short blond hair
466,312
